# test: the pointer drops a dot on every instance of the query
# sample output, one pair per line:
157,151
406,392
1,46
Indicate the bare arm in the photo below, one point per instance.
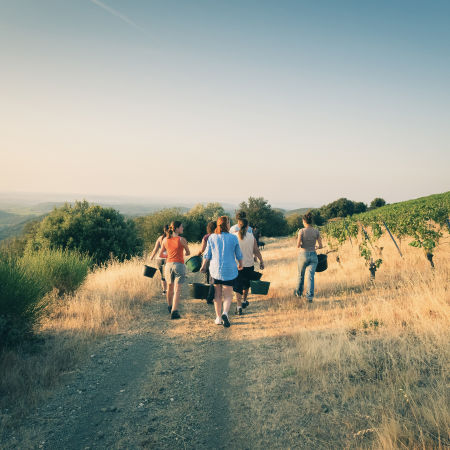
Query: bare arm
156,247
204,242
257,253
163,248
299,239
319,241
186,246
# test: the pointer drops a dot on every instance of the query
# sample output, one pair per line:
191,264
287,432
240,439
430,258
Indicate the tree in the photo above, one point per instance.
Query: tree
339,208
271,222
99,232
377,203
199,216
294,222
317,218
359,207
150,227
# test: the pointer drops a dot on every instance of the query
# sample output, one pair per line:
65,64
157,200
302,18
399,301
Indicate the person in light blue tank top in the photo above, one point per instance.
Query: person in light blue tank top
222,250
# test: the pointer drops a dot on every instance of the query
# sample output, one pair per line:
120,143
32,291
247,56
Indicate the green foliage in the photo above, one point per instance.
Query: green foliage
20,302
423,219
270,221
150,227
24,283
61,269
100,232
377,203
294,222
15,246
342,208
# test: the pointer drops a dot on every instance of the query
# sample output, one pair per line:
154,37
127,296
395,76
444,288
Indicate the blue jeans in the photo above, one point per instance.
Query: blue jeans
306,259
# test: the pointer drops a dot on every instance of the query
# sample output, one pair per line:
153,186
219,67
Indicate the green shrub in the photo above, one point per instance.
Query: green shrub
61,269
20,302
100,232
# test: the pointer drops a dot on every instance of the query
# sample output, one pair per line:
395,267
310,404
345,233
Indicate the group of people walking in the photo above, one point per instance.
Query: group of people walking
229,255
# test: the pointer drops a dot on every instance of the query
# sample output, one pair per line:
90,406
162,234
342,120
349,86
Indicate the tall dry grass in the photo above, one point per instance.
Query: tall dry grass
373,355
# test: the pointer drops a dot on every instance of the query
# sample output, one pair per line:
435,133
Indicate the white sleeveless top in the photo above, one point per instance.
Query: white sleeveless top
247,245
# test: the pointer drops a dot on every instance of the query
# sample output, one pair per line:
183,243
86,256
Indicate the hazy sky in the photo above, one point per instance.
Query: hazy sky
300,102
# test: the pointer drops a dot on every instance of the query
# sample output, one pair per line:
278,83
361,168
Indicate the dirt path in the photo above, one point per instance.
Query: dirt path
163,384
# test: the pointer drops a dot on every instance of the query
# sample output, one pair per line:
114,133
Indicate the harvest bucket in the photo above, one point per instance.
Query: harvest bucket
149,271
199,290
322,264
194,263
260,287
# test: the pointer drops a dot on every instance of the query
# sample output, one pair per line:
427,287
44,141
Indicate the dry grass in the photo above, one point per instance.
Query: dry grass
369,359
364,366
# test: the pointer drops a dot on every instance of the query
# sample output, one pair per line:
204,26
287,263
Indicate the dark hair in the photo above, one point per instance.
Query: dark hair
222,225
241,215
243,224
210,228
165,229
172,227
308,218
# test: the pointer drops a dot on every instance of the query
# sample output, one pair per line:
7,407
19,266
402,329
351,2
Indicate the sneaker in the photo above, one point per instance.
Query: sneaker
297,293
226,321
218,321
239,311
210,302
245,303
175,315
164,292
169,308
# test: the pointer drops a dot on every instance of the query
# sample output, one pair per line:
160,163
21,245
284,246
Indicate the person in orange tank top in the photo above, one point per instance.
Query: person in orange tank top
175,270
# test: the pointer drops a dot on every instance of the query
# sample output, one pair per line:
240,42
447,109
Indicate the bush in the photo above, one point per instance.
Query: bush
377,203
150,227
61,269
101,232
294,222
20,302
270,221
194,221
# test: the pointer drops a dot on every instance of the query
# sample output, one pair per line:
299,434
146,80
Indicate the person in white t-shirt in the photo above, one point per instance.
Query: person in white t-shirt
235,227
249,249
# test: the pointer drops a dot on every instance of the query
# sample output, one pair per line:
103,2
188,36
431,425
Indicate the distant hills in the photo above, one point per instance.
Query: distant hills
18,209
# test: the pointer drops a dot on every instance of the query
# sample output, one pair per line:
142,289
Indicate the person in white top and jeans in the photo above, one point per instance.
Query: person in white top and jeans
249,249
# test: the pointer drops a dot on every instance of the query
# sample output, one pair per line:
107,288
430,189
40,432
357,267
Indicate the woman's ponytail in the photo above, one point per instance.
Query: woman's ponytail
172,227
243,224
222,225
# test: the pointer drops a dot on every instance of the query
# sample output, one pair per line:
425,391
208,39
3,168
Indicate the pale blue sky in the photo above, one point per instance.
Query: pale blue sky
300,102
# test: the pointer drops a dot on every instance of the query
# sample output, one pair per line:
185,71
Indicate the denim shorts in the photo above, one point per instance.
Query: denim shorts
175,272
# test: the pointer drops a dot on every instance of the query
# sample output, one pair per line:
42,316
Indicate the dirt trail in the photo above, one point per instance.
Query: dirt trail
164,384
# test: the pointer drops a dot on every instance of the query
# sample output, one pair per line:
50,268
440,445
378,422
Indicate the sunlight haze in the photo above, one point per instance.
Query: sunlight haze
298,102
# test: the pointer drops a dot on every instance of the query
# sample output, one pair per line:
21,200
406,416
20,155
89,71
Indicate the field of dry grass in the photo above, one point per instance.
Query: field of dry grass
370,358
364,366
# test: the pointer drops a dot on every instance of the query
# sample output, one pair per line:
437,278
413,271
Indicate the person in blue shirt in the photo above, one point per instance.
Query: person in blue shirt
222,250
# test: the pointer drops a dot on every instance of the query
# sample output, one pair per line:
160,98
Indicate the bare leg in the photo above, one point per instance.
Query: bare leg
176,296
227,298
169,293
239,299
218,299
164,285
245,291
